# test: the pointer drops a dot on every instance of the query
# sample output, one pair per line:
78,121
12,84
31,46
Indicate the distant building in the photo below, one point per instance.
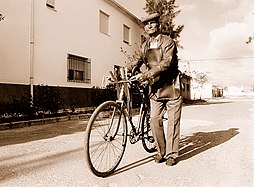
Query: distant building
64,43
186,86
218,91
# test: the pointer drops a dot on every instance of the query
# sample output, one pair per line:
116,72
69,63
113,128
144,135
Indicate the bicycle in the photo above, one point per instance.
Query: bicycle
106,132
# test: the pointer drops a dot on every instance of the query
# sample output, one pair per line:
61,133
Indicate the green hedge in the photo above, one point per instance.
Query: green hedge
49,100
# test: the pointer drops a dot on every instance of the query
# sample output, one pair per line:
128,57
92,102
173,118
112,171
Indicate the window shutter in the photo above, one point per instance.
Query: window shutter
104,23
126,34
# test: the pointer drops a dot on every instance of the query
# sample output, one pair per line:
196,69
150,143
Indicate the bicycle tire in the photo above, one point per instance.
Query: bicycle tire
148,141
105,142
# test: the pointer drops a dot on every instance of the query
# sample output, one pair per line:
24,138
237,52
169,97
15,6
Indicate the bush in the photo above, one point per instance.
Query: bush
22,106
47,99
100,95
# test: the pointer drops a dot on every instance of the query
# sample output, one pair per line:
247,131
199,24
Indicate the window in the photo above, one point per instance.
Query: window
79,69
50,3
104,23
126,34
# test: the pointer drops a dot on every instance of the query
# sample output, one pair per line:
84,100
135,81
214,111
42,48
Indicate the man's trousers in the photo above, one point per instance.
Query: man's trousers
167,142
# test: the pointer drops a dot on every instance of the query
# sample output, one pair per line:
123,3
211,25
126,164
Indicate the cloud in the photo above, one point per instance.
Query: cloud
239,10
230,40
226,26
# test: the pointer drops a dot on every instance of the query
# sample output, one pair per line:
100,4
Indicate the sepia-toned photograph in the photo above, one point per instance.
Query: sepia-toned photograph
120,93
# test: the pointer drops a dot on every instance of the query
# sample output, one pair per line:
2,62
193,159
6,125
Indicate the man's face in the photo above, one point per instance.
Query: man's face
151,27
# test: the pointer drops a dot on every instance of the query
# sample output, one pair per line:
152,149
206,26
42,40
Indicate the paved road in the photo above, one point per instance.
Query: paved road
216,150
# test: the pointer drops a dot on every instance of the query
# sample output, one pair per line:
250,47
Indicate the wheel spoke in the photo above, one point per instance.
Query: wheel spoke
105,139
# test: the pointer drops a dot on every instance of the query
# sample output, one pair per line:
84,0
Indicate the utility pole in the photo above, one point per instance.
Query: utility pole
31,47
188,62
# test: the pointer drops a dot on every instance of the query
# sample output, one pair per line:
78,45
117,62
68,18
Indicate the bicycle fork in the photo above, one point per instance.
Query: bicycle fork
135,133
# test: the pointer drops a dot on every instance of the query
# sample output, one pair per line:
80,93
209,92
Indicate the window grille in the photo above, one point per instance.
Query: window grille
79,69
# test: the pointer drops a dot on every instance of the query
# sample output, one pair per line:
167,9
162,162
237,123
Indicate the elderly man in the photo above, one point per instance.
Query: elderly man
159,54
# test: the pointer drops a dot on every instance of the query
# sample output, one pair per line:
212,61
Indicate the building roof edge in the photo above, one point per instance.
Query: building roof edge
124,10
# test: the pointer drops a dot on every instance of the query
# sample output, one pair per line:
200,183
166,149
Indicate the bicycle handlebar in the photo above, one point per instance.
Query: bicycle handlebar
122,75
131,82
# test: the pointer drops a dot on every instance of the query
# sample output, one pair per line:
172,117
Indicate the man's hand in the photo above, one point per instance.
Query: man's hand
139,77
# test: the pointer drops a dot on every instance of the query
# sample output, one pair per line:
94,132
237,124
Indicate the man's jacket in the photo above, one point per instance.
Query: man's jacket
162,68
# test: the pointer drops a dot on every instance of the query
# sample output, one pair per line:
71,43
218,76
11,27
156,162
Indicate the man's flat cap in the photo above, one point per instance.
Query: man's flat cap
154,16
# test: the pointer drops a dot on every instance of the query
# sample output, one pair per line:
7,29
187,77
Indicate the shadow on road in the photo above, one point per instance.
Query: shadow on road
202,141
190,146
134,165
203,102
25,166
38,132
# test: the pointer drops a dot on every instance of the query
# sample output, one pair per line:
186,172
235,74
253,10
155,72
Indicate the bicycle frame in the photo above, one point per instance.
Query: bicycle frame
124,99
107,131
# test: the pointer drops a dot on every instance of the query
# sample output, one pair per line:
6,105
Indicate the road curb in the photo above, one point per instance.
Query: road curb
21,124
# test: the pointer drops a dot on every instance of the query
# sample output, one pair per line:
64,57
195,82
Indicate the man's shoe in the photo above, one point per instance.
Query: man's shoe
171,161
158,158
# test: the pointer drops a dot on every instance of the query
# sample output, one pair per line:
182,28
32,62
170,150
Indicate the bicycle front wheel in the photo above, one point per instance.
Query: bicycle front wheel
148,141
105,139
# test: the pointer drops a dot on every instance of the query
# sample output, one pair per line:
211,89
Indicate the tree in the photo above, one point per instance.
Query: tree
168,12
201,79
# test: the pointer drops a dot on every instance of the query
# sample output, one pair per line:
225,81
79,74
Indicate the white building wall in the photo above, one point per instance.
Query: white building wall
73,27
198,92
14,42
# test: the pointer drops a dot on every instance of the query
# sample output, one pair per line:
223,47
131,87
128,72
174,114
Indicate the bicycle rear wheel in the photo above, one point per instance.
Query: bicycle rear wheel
105,139
148,141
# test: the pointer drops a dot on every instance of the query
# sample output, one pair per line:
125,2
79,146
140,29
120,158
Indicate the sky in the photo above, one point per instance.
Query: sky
214,38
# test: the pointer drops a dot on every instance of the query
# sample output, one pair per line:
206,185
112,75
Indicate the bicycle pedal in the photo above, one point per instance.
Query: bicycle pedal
133,140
